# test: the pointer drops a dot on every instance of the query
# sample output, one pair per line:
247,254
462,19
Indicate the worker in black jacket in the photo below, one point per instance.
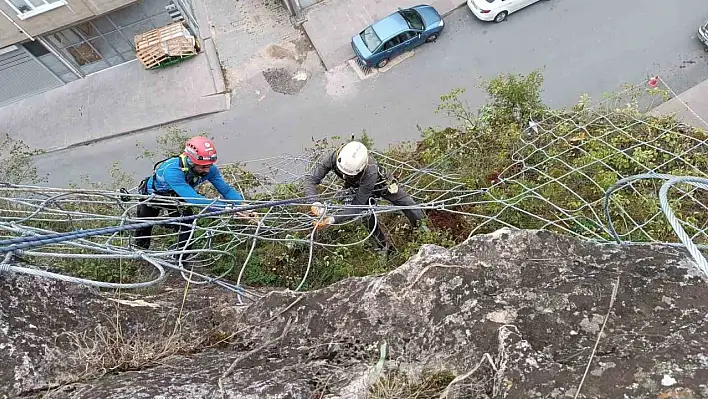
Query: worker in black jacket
361,172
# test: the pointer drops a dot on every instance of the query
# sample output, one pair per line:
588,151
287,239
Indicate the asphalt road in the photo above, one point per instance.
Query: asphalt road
581,46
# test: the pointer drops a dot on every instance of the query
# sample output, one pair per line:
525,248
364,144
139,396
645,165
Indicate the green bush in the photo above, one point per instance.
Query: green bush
17,166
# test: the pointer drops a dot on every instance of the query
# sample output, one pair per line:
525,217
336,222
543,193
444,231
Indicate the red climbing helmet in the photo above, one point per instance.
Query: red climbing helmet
200,150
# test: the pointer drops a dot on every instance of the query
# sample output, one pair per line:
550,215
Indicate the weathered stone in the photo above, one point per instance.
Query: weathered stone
41,321
517,313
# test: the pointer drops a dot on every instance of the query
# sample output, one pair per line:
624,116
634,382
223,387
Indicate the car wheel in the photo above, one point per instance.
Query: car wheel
432,38
501,16
382,63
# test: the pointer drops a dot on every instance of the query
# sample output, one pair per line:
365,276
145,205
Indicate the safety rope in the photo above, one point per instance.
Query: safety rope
18,243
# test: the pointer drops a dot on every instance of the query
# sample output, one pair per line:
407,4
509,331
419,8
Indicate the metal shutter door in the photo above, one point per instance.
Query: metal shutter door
21,75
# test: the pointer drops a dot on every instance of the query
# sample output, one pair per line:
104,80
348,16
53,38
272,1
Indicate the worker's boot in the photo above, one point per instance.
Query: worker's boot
383,251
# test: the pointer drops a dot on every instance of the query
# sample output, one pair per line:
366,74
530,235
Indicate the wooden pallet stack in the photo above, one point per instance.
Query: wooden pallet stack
165,46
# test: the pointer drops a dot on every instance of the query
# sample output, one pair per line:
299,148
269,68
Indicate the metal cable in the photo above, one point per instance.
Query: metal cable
14,244
555,180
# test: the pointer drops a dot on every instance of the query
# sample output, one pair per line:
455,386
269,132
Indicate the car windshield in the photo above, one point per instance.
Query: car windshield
413,18
370,38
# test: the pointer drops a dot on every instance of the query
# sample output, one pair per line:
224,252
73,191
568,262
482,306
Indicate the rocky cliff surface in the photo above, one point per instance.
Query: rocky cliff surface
514,314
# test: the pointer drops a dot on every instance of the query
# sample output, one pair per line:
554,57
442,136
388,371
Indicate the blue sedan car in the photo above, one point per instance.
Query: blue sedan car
399,32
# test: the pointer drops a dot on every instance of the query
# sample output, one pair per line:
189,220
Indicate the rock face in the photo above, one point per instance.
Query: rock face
514,314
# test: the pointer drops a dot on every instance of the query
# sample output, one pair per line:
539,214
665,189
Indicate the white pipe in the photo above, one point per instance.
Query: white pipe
15,23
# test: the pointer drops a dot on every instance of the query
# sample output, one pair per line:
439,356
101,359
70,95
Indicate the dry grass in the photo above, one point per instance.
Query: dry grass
397,384
108,348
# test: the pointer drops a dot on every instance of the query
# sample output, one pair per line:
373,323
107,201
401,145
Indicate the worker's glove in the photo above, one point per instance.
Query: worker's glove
250,216
317,209
321,224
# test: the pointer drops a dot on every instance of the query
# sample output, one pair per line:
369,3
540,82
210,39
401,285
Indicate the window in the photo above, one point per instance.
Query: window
96,45
370,38
401,38
83,45
392,43
414,20
406,36
29,8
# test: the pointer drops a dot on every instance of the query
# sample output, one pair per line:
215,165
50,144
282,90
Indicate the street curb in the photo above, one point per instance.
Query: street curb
138,130
209,47
216,72
202,20
319,56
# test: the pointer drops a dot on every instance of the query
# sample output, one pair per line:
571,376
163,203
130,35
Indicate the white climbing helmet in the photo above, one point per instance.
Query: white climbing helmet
352,158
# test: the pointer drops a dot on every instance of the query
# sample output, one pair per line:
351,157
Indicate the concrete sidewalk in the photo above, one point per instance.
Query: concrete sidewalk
691,106
121,100
112,102
331,24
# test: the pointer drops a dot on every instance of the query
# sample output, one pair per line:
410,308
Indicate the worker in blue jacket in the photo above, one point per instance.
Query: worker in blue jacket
179,177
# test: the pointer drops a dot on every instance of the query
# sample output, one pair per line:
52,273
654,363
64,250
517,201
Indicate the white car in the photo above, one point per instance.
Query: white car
496,10
703,33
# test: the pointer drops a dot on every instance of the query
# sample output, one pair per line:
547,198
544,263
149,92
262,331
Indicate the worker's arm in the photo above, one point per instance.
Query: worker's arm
225,189
363,193
175,178
314,178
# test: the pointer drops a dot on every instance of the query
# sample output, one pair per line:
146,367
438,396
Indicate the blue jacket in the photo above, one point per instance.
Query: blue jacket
170,177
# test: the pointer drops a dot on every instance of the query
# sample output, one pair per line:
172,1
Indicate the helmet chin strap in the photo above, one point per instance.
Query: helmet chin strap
191,165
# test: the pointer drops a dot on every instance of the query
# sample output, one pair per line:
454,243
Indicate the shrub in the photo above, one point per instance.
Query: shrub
17,166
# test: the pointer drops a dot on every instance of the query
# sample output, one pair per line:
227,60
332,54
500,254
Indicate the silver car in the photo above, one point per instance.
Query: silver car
703,33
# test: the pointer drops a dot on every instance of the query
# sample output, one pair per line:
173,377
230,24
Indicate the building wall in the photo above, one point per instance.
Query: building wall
9,34
75,11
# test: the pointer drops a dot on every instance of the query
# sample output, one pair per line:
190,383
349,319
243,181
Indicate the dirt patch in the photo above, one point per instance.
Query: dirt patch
284,81
279,52
284,65
453,223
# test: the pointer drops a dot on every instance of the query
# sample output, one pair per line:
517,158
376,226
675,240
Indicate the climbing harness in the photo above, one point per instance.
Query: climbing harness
386,182
183,166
